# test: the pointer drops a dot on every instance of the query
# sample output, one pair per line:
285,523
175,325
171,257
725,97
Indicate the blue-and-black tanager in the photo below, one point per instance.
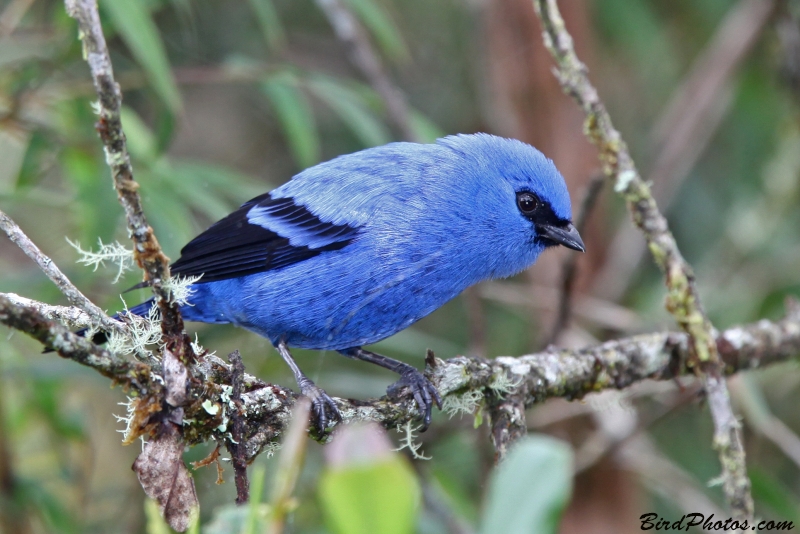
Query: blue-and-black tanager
355,249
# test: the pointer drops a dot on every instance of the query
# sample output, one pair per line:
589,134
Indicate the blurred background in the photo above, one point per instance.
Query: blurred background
227,99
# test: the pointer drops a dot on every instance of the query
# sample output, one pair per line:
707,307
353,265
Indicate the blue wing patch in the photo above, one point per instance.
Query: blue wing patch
298,224
265,233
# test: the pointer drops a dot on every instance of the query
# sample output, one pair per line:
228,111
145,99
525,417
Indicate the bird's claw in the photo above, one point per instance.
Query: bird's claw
424,392
323,407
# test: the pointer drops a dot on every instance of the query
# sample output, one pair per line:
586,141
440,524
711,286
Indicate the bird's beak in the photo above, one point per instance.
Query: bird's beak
563,235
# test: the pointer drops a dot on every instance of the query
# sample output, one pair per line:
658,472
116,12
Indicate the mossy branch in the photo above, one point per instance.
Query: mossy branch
147,251
683,300
265,409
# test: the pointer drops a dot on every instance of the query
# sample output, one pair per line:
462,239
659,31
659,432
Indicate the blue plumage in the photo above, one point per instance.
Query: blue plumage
358,248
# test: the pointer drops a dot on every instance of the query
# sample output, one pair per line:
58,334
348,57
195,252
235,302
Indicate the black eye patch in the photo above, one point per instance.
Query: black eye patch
539,212
536,210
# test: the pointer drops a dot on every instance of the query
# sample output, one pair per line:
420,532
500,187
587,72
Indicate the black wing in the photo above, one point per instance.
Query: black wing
234,246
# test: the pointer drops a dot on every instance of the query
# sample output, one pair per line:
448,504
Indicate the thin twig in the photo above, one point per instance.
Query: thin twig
570,268
363,55
147,251
236,444
683,299
73,294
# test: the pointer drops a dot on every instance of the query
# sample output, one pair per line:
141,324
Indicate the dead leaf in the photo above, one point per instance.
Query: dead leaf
176,378
166,480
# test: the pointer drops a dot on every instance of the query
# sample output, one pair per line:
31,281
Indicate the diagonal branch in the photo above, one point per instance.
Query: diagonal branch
147,251
52,271
683,299
159,409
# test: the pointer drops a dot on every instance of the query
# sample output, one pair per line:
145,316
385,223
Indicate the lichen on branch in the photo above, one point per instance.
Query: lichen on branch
683,299
147,251
265,409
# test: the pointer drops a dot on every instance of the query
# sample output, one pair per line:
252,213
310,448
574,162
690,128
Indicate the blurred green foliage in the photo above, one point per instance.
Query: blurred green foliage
514,505
380,496
224,100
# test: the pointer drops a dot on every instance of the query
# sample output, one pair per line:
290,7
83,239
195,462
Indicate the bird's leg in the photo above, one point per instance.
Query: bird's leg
425,393
323,408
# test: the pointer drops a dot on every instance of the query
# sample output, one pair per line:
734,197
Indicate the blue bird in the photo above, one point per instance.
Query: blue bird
355,249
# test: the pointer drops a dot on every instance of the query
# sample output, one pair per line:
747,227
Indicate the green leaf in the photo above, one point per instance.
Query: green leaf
380,25
235,519
370,498
155,523
132,20
270,23
255,507
774,493
454,488
349,106
529,490
294,113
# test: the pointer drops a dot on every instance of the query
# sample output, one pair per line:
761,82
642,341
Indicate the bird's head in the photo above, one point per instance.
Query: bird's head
526,195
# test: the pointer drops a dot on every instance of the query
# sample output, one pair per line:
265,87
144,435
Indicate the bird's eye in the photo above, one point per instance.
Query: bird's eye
527,202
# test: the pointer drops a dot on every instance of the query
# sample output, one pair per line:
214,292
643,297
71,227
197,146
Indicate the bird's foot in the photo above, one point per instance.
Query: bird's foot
323,407
425,393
